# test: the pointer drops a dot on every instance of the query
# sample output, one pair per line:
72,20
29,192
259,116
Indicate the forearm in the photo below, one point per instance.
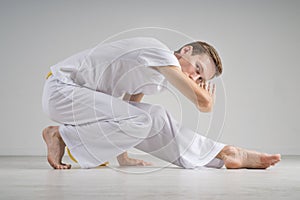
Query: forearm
207,108
202,99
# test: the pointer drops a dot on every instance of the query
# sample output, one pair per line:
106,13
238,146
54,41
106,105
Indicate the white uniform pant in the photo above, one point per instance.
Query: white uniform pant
97,127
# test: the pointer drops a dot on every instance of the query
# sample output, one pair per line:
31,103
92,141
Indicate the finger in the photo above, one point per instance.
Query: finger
204,86
214,89
208,87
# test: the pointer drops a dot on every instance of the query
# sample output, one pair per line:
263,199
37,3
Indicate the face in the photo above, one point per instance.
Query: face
199,68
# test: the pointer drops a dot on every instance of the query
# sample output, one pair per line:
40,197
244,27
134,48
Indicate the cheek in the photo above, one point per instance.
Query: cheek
191,69
187,67
187,70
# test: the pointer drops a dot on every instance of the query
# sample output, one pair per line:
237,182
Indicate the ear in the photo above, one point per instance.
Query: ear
187,50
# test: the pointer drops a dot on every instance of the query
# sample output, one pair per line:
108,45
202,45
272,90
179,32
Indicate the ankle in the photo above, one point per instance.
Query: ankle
122,157
55,131
226,151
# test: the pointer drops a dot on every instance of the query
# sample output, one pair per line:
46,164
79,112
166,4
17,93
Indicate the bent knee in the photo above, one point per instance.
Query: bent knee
141,121
138,125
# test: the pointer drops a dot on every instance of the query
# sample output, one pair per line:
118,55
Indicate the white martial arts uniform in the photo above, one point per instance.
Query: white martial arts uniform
82,95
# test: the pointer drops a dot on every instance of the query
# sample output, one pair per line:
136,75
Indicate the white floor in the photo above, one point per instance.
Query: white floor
31,178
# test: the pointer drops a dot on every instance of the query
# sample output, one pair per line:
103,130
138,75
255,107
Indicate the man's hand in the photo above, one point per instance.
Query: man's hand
134,97
211,90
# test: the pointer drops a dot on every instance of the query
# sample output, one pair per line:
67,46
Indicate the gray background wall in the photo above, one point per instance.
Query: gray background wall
258,41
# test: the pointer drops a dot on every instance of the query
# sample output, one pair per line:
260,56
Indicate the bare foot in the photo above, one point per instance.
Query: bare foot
124,160
236,158
133,162
55,147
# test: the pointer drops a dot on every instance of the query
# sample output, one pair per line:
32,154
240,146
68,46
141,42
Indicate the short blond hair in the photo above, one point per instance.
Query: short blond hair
200,47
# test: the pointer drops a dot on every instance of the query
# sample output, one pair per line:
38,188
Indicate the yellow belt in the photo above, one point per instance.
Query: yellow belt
48,75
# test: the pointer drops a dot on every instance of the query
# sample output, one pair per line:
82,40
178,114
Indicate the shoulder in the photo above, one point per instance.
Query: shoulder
150,42
140,43
154,53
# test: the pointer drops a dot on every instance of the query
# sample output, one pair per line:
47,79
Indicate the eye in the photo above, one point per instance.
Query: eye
198,69
200,79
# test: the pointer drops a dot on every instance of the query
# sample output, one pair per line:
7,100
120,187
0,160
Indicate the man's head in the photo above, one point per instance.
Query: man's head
199,61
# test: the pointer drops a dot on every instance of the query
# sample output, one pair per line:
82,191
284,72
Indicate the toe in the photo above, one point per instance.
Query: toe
275,157
66,166
60,167
148,164
273,163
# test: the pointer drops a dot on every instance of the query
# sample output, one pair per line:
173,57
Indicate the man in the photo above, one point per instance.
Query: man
82,94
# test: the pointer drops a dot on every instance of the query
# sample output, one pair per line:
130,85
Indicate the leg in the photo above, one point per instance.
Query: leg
97,142
235,158
96,126
170,141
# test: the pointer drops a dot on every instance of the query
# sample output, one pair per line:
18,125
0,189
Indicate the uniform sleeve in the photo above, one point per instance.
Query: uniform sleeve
156,57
